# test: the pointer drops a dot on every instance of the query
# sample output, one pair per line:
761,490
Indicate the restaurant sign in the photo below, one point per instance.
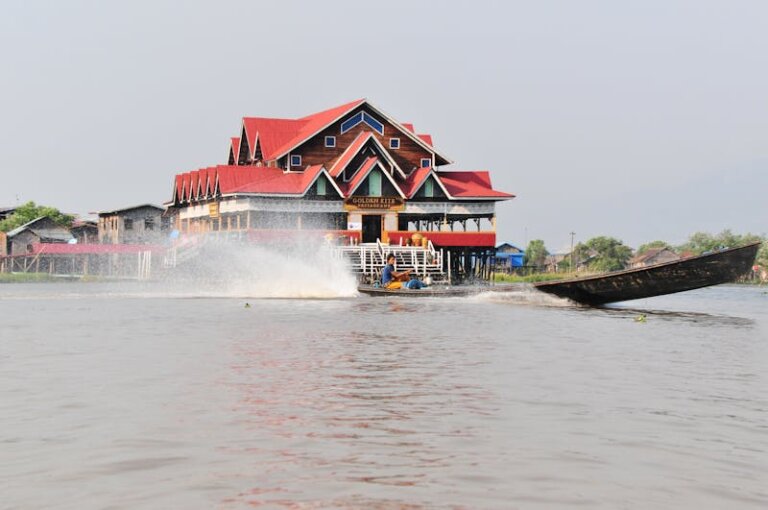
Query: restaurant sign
213,209
389,203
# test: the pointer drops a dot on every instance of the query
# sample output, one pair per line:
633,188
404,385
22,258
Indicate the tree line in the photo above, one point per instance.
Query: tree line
609,254
31,211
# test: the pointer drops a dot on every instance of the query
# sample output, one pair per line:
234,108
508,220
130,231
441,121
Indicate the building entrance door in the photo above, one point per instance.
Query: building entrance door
371,228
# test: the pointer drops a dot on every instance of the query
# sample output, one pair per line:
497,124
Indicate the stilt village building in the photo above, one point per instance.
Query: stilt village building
351,170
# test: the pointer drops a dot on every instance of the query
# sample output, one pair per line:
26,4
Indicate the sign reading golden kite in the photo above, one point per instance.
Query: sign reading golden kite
388,203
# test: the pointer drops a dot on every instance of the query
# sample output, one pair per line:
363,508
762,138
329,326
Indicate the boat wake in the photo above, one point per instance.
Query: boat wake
523,294
228,270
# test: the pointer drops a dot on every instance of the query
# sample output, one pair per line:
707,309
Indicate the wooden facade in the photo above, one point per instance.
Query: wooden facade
305,174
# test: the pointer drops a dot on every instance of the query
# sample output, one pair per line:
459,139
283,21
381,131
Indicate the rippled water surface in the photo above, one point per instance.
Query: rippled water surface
121,396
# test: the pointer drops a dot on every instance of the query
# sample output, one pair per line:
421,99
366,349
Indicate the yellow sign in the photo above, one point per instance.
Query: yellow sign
388,203
213,209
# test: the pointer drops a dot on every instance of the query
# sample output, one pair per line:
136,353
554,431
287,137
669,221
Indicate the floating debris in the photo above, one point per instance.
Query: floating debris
641,318
247,305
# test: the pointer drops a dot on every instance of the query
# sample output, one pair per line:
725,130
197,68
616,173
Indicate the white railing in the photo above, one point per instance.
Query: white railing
369,259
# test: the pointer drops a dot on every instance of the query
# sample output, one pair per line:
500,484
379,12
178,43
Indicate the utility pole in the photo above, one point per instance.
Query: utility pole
573,269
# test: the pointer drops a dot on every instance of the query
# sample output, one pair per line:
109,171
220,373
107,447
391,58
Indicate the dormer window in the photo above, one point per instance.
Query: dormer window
362,117
330,141
426,162
296,160
394,143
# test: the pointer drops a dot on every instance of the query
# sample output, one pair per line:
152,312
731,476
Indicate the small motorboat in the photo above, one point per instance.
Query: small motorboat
667,278
434,291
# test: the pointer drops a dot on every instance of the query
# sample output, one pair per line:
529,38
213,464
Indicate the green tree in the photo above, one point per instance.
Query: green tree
536,253
653,244
30,211
701,242
609,254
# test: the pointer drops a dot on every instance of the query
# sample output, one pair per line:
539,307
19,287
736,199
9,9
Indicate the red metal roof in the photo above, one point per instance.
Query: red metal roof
278,136
426,139
476,184
248,179
408,126
414,181
234,146
341,163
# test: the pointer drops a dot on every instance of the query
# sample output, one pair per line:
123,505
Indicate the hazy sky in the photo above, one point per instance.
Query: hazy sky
639,120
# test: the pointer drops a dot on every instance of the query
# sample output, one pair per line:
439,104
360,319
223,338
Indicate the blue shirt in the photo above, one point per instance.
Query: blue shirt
386,275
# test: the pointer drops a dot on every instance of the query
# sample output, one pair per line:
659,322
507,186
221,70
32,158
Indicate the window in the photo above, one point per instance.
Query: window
429,188
426,162
394,143
351,122
128,222
321,186
374,184
149,224
295,160
362,117
375,124
330,141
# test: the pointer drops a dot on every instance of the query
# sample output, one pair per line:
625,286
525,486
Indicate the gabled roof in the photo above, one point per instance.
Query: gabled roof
651,253
416,180
125,209
278,137
355,147
471,185
234,147
338,167
271,134
257,180
43,229
348,188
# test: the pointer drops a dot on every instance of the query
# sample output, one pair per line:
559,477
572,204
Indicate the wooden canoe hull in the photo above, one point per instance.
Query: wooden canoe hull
667,278
459,290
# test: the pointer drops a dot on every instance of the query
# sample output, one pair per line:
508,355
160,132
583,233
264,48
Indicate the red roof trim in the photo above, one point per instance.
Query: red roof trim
471,185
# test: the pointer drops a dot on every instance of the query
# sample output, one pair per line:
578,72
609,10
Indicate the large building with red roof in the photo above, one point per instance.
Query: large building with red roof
351,169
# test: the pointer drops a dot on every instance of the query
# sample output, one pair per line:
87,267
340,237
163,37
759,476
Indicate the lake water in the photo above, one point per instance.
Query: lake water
131,396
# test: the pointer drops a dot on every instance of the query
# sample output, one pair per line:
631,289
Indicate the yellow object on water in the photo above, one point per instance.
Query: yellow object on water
640,318
247,305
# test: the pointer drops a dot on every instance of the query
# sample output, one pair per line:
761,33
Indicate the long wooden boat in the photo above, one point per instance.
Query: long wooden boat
666,278
436,291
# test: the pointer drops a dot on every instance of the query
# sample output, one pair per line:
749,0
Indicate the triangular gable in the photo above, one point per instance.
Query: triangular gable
327,176
320,121
176,190
243,153
358,144
418,179
234,150
362,174
314,124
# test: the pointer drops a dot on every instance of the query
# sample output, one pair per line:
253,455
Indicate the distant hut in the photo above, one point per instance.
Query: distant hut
653,256
85,231
41,230
141,224
509,257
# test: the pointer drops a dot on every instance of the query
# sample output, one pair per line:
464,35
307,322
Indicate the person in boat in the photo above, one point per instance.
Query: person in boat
391,279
